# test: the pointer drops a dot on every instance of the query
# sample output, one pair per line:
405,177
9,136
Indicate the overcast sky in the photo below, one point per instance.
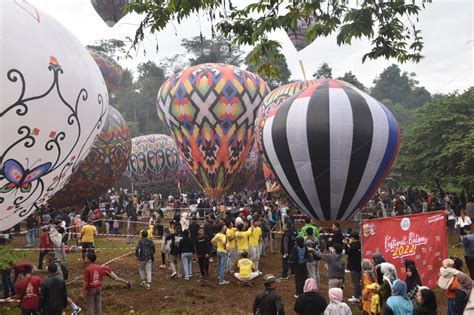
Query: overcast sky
447,27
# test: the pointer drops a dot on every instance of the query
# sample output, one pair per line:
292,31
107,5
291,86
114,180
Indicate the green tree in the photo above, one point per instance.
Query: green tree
439,146
399,87
112,47
387,24
272,63
211,50
349,77
324,72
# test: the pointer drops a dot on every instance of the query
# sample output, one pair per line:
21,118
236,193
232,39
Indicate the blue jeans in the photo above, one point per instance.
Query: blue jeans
30,237
221,265
187,259
451,306
8,287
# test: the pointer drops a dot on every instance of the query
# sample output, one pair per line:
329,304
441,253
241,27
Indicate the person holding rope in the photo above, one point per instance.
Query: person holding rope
28,291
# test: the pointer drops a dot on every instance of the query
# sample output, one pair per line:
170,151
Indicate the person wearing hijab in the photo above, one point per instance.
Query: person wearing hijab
336,306
310,302
448,281
368,278
413,280
299,258
386,276
399,303
426,303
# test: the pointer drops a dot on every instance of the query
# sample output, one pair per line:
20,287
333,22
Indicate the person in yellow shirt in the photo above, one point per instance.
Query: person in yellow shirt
242,238
220,240
247,271
255,239
375,301
231,247
88,233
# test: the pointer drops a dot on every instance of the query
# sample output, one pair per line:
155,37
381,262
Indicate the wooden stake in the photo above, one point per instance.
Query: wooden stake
302,69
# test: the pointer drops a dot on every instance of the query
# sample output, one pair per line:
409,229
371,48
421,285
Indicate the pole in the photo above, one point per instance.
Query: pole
302,69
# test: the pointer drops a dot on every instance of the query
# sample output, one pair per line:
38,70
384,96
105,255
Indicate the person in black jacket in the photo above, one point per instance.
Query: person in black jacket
337,237
145,252
193,229
172,240
354,263
186,250
287,243
203,252
299,258
310,302
53,293
269,302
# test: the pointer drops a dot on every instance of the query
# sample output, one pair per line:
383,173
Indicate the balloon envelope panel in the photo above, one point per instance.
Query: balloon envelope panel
270,103
154,160
210,110
111,11
53,102
110,69
331,146
103,167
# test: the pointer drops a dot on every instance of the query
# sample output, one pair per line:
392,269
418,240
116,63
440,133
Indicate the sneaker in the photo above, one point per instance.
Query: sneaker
284,278
174,274
354,300
224,282
162,266
186,278
148,286
347,271
143,283
295,296
259,272
129,284
76,311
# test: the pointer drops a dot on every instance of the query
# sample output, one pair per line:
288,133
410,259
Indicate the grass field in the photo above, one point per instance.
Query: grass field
177,296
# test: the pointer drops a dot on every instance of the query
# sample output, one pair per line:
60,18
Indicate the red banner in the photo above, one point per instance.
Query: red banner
418,237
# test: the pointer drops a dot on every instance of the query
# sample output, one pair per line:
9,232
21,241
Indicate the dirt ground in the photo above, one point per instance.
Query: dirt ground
177,296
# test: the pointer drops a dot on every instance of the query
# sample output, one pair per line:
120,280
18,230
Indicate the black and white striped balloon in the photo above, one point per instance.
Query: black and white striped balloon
331,145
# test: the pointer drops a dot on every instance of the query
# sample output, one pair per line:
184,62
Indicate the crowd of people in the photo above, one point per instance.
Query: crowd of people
235,234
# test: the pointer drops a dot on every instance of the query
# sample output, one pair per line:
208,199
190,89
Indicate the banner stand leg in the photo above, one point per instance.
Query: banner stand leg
302,69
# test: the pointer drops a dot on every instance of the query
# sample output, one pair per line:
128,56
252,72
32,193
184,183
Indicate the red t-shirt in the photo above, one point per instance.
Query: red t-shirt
18,269
29,288
94,275
45,241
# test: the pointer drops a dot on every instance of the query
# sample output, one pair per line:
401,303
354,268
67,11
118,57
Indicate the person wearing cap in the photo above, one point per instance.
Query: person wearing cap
269,302
88,233
354,258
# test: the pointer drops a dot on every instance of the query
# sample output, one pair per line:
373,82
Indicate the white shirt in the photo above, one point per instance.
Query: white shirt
462,223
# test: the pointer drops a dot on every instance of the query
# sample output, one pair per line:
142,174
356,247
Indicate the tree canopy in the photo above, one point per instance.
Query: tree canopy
323,72
349,77
400,87
389,25
271,62
439,145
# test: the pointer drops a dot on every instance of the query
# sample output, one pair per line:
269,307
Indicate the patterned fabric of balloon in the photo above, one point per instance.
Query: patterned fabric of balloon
298,36
331,146
210,110
184,176
110,69
111,11
245,176
154,160
103,166
53,102
271,102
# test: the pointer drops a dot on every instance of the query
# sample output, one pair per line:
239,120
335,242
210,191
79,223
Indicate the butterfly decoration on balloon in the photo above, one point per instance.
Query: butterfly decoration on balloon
19,178
52,106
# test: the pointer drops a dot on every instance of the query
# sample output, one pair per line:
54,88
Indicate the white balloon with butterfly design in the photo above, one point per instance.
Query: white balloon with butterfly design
52,106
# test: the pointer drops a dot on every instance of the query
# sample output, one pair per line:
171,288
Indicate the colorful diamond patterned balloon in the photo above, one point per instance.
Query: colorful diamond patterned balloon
210,110
103,167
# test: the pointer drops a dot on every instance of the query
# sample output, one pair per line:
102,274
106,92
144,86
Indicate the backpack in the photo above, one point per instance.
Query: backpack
55,237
